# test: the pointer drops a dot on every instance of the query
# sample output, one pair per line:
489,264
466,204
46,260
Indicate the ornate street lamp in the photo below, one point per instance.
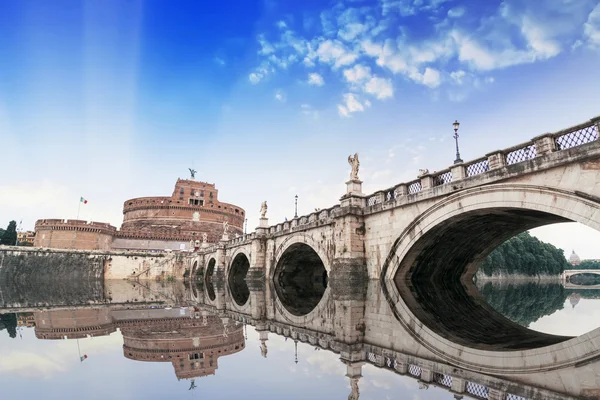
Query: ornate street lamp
296,207
455,125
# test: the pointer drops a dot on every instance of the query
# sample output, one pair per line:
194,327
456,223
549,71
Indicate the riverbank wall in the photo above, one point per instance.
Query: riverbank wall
22,264
481,277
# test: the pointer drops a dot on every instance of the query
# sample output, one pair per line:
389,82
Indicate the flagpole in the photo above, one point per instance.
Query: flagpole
78,350
78,208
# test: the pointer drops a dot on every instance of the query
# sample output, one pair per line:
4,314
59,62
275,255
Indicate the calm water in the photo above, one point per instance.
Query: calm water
133,341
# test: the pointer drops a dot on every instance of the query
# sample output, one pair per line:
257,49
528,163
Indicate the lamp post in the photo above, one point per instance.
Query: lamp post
455,125
296,207
296,351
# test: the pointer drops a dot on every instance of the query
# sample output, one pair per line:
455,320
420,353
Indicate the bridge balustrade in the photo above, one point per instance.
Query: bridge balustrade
414,186
415,370
576,136
478,166
477,390
442,177
442,379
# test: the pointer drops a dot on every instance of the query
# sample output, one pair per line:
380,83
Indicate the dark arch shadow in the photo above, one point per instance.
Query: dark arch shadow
237,279
208,279
435,279
300,279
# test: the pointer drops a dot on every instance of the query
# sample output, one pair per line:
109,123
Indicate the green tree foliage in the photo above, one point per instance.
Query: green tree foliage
9,237
587,264
526,302
9,322
525,255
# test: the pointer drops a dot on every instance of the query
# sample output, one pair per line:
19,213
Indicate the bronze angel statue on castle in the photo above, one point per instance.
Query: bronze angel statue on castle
354,163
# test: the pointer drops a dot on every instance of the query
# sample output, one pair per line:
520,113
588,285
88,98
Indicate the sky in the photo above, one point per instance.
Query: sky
110,100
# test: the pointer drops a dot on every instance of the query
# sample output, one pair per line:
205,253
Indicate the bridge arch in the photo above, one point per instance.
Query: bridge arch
237,271
446,243
300,278
208,278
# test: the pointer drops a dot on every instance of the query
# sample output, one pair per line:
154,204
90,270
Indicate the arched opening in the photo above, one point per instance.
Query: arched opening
237,279
435,279
210,269
300,279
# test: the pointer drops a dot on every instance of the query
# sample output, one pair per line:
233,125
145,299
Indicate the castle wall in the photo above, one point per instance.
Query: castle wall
73,234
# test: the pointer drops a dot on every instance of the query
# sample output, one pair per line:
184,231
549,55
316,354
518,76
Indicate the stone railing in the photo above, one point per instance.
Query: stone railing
319,216
427,375
539,146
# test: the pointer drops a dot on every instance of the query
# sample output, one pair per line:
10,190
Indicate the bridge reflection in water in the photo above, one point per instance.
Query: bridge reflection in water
355,321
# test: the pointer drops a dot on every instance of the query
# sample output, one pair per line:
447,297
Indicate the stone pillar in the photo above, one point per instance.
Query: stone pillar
426,375
459,385
544,144
348,297
495,394
263,336
353,373
459,171
426,181
596,121
496,159
402,190
220,264
401,367
349,257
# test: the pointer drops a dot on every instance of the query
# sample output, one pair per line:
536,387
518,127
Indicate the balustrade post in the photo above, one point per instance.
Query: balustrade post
496,159
426,375
459,385
426,181
402,190
596,121
544,144
495,394
402,367
459,171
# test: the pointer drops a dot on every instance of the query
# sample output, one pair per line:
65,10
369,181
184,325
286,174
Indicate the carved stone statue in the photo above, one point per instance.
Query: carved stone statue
225,227
204,237
263,349
263,209
354,163
422,172
355,394
193,173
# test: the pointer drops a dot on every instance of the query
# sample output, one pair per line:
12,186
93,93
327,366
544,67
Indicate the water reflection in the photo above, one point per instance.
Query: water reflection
353,348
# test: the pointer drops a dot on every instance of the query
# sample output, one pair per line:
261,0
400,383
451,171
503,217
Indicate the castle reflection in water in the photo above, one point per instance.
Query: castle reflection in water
190,340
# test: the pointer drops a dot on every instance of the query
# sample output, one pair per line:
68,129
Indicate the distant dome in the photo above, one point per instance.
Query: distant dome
574,259
574,299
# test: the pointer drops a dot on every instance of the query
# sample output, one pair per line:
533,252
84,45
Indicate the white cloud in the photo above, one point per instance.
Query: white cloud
351,104
308,110
358,73
380,88
456,12
254,78
350,31
266,48
315,79
431,77
280,96
219,61
334,52
591,28
458,76
281,24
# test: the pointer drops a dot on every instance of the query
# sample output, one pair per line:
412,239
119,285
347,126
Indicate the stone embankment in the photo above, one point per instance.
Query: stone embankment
21,264
516,277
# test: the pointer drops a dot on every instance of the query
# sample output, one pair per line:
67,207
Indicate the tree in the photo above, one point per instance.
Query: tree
9,237
525,255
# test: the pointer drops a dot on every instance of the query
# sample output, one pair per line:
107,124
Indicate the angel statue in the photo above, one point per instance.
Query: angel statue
204,237
355,391
263,209
225,227
354,163
193,173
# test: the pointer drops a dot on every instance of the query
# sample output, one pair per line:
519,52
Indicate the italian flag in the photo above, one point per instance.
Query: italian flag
82,200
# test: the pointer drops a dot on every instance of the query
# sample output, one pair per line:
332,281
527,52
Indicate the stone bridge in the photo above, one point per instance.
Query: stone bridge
568,273
418,239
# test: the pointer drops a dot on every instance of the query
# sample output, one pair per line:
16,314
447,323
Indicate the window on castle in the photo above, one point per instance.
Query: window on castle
202,193
192,191
181,190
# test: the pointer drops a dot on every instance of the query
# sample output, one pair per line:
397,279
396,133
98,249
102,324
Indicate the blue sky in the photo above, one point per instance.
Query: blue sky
111,100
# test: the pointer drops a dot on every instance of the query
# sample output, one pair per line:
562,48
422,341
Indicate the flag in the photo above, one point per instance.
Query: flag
83,358
82,200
